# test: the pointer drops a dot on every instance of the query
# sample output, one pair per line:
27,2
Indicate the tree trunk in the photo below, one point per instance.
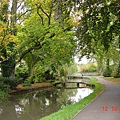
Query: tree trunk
8,65
13,18
107,72
100,65
8,68
118,70
30,70
108,64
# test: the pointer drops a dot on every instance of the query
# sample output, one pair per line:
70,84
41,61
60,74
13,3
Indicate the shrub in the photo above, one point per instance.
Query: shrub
3,95
21,71
26,83
11,83
4,87
107,72
117,74
36,78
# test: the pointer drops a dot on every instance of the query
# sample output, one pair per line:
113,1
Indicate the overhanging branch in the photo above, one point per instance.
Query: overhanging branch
27,51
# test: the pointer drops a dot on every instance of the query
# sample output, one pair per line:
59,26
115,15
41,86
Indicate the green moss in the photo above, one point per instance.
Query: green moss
68,112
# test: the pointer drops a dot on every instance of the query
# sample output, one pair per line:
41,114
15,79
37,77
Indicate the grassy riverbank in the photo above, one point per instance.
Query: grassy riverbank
113,80
68,112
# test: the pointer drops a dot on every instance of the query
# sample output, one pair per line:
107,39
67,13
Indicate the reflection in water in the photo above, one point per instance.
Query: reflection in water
80,94
0,111
36,105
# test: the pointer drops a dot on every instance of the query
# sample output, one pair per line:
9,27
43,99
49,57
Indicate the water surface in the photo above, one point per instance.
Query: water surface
33,106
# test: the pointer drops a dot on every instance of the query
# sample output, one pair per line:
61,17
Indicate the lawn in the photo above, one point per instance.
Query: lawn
113,80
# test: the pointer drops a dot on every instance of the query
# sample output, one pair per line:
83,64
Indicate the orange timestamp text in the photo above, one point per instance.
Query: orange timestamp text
113,108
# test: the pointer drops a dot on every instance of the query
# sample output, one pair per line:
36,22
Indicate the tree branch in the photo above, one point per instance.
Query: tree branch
20,4
24,13
40,14
27,51
48,16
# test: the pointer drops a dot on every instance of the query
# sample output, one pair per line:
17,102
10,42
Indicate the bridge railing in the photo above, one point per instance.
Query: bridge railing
77,79
90,73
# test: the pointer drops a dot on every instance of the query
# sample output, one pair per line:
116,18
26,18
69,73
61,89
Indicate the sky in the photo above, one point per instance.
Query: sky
83,60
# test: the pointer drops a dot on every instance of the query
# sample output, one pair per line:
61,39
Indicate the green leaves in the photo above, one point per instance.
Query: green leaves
45,46
95,24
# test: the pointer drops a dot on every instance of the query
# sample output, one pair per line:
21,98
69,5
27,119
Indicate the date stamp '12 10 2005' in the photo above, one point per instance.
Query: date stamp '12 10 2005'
113,108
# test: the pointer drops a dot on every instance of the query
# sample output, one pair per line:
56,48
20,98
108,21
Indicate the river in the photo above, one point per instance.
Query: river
38,104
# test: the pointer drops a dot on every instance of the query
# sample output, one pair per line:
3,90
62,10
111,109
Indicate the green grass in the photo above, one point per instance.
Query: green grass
68,112
113,80
3,95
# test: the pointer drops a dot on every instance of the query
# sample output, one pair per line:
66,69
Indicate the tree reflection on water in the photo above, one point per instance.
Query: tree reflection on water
33,106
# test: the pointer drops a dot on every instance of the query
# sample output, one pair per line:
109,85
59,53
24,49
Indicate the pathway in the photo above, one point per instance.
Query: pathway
104,107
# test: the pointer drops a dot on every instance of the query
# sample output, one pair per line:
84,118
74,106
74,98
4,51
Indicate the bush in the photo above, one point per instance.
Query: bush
26,83
4,87
3,95
107,72
36,78
21,71
117,74
11,83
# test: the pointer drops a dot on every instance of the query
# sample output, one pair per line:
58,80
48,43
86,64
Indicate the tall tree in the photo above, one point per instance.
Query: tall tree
98,25
49,41
9,18
23,34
